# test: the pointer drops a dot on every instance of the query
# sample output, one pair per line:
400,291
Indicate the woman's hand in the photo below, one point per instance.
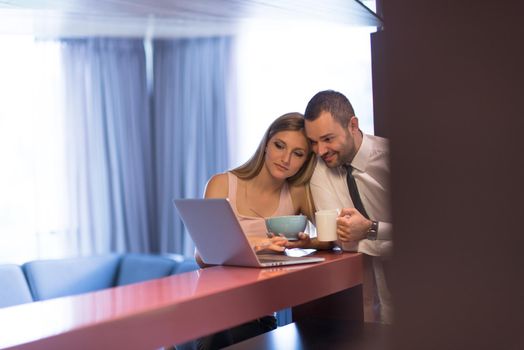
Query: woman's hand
303,241
273,244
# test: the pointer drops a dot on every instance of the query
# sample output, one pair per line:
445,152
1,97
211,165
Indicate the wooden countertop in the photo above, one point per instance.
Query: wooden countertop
174,309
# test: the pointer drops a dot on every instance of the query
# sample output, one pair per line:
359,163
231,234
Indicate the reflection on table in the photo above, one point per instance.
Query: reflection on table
179,308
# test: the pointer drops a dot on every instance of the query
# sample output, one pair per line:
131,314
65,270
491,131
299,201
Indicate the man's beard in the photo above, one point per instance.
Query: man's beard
342,157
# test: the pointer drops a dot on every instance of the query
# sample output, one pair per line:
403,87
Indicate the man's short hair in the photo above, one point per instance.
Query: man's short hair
333,102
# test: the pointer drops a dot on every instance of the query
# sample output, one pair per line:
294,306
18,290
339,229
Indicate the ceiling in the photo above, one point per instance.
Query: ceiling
169,18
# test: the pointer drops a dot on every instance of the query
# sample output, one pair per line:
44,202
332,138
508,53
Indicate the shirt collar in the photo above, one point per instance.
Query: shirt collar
360,161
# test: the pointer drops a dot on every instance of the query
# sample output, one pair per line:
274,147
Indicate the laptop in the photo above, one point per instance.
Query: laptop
219,238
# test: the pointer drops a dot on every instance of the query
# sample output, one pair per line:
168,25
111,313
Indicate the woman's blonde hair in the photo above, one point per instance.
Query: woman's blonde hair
287,122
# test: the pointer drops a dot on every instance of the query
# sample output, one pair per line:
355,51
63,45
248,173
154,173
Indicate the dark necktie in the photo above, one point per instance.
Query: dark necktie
353,191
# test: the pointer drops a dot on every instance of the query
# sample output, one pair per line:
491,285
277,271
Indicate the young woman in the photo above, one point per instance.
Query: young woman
273,182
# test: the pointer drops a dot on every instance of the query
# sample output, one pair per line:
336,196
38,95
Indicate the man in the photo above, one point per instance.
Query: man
353,175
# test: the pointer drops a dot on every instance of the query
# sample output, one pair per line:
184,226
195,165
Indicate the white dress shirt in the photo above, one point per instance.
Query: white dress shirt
371,172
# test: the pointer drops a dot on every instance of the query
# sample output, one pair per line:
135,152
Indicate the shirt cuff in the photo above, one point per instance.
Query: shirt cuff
385,231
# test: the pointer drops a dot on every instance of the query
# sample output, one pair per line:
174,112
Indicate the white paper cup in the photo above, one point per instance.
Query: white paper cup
326,223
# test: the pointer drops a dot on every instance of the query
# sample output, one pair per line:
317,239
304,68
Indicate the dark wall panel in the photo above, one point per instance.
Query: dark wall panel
454,95
378,65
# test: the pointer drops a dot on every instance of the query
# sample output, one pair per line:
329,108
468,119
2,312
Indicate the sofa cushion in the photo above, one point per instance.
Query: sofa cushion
14,289
142,267
184,264
55,278
189,264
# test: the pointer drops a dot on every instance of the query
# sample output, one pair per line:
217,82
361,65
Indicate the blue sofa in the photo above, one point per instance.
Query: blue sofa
46,279
14,289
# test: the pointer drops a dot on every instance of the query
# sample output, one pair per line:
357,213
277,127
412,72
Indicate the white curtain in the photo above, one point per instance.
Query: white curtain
109,145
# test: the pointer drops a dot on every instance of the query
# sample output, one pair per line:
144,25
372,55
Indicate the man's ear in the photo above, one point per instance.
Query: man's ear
353,124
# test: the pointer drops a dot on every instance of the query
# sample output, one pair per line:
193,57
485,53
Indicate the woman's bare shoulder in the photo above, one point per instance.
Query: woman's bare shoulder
217,186
220,178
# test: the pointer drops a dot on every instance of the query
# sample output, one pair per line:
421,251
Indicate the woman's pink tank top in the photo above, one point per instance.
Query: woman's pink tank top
255,226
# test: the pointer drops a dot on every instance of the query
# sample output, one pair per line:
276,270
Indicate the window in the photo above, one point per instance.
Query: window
282,65
32,176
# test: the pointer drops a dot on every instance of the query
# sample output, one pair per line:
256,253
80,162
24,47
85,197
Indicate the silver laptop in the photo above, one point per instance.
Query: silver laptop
219,238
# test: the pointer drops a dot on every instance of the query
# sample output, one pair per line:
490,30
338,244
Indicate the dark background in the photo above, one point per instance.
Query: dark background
449,96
